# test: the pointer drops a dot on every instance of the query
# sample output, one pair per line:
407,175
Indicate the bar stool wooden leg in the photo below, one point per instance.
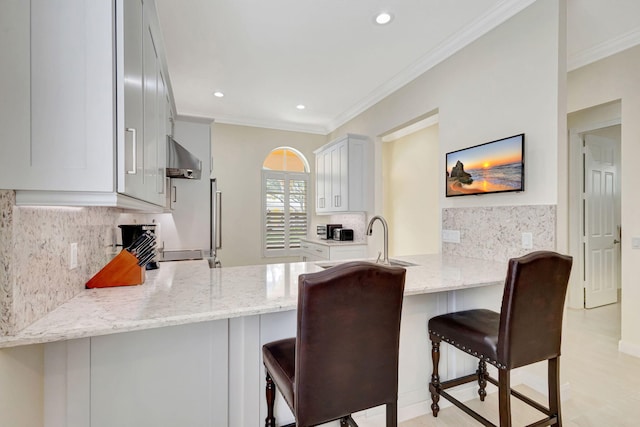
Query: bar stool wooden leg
482,379
392,414
553,379
504,398
270,392
434,386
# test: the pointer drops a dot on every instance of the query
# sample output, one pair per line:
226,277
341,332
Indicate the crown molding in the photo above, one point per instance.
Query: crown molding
195,119
482,25
604,49
270,124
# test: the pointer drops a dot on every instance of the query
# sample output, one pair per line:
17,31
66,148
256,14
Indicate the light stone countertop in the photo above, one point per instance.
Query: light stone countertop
188,292
330,242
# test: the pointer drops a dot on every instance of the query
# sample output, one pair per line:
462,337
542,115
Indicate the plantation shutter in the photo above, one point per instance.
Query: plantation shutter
285,214
297,211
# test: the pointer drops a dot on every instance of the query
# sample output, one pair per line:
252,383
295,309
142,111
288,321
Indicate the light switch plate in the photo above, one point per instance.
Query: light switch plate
73,256
451,236
635,243
527,241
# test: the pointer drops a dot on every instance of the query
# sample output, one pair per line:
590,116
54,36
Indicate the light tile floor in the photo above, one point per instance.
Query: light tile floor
604,385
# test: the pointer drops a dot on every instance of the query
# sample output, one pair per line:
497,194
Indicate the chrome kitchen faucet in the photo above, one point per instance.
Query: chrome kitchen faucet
385,261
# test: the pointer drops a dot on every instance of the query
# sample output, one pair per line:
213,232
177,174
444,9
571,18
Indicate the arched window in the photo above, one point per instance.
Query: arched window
285,184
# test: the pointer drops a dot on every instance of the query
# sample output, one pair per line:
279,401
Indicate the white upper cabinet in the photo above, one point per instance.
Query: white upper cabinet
85,126
131,112
344,175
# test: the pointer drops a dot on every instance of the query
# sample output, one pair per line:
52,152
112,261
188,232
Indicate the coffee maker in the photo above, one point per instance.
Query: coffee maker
130,232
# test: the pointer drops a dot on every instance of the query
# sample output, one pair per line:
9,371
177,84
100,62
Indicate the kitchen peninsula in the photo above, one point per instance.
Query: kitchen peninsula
185,345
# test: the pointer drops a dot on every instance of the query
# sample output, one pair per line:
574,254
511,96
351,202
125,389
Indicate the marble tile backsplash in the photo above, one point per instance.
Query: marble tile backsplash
495,233
34,256
355,221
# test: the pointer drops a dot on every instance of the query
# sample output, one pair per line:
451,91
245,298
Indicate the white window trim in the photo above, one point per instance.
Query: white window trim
286,252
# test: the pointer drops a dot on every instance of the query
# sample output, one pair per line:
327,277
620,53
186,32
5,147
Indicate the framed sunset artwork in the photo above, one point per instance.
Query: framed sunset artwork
493,167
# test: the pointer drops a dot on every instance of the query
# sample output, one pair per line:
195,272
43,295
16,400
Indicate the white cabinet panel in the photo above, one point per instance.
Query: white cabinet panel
70,98
153,115
318,251
131,144
79,115
343,175
15,130
174,376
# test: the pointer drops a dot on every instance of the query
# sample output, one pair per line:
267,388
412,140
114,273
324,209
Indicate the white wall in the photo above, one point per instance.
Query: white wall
21,386
238,154
411,192
616,78
507,82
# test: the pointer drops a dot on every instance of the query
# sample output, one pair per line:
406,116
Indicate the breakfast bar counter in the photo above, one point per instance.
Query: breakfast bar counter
189,291
184,348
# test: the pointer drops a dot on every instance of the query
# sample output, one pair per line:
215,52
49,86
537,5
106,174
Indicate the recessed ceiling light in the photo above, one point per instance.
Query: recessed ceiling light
300,107
218,94
383,18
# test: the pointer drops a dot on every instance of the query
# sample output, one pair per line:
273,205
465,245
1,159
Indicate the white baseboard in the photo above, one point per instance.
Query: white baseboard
629,348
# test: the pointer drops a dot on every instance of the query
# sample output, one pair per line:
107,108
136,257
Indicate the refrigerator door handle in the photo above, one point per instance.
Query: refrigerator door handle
218,220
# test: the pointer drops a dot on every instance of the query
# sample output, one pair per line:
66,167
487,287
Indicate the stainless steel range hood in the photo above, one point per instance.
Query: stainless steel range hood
181,163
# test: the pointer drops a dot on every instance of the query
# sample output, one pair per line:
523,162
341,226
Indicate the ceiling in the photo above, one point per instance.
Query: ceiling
267,57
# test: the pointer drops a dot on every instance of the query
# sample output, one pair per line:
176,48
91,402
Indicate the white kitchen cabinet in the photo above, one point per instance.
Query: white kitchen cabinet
15,89
77,135
343,175
171,376
154,113
311,251
132,83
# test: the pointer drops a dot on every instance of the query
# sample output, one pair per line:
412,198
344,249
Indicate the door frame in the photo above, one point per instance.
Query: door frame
576,214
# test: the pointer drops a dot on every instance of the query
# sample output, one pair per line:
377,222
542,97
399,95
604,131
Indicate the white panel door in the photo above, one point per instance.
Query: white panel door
600,233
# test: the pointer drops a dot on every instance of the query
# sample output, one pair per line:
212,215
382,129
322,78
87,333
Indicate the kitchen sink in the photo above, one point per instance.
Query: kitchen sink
392,262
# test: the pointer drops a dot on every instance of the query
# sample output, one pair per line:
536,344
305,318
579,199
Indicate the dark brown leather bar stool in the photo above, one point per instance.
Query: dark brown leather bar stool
527,330
344,358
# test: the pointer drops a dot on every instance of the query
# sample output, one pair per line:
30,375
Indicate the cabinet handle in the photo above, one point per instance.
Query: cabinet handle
319,250
218,220
175,194
135,150
321,200
160,181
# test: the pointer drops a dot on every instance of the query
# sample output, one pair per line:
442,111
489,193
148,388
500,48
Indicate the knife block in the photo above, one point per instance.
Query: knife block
123,270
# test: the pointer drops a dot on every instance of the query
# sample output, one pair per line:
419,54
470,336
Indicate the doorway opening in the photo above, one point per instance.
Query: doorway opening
595,232
411,197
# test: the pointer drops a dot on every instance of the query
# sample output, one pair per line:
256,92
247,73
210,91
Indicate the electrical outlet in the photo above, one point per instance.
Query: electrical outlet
73,256
527,241
451,236
635,243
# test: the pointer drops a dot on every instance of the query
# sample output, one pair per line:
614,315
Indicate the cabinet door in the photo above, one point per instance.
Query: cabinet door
161,143
133,135
340,177
15,107
173,376
323,181
71,97
348,252
150,67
